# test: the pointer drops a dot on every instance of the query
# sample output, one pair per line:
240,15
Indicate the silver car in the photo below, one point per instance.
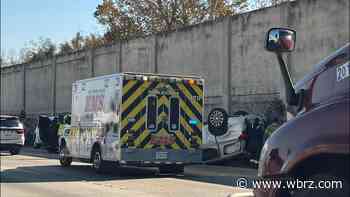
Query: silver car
11,134
235,142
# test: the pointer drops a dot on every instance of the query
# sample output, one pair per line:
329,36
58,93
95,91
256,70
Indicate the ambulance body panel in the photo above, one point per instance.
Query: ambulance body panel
137,119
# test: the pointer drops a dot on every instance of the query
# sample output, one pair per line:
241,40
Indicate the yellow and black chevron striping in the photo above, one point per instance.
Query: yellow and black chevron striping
134,131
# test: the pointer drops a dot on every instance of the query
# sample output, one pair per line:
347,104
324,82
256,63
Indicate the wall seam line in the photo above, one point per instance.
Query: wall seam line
229,70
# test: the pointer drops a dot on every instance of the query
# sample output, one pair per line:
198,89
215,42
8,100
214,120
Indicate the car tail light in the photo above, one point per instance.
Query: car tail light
243,136
20,131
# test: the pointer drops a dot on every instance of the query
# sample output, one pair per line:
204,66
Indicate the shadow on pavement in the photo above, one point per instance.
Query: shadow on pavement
42,153
84,172
55,173
225,176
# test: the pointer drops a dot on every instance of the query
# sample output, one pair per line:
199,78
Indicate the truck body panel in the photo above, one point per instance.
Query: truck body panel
321,126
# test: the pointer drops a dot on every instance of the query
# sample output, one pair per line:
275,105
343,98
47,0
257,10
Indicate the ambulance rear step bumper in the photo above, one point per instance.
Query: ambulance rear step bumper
150,157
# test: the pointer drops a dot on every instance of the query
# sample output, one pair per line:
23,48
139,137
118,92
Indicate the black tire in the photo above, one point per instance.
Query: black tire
98,164
338,192
15,150
171,169
64,160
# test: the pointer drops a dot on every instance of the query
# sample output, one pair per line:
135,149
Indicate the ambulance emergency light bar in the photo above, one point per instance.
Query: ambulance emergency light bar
190,79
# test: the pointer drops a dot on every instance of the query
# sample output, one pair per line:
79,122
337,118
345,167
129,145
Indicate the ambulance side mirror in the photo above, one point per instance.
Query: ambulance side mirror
218,122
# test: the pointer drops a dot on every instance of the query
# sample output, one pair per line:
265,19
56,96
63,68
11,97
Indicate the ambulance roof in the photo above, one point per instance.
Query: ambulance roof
163,75
139,74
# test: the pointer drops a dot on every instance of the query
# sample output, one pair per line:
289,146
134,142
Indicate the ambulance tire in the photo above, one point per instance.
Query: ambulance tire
98,164
64,160
15,150
171,169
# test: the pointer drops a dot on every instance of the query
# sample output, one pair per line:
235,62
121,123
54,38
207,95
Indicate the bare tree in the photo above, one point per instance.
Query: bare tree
43,48
127,18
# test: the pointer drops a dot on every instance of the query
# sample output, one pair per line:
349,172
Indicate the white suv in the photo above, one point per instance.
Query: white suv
11,134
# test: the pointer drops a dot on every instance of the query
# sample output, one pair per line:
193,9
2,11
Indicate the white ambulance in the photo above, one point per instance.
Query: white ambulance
135,119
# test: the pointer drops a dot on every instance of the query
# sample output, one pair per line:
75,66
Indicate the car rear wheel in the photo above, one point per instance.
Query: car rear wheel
171,169
64,160
335,190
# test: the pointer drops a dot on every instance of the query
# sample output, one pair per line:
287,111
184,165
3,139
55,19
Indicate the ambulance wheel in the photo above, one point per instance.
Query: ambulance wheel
98,164
171,169
14,150
64,160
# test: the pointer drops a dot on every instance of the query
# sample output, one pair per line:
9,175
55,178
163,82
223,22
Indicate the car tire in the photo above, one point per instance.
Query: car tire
14,151
64,160
171,169
338,192
98,164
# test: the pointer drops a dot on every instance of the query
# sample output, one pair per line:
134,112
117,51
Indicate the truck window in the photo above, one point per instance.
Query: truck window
151,113
339,60
174,114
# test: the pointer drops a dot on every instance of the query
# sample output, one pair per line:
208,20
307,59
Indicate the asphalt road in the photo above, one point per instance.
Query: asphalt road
38,174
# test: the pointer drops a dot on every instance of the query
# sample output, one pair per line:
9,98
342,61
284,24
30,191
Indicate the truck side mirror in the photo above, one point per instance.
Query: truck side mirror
280,40
218,122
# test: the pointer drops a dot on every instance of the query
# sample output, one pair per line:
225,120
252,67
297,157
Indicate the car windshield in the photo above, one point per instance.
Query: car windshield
9,122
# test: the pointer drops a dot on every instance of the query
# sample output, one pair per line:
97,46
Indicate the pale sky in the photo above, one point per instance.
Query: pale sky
59,20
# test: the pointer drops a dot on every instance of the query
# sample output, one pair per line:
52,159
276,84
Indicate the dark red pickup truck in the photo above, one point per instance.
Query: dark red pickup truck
309,155
314,145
